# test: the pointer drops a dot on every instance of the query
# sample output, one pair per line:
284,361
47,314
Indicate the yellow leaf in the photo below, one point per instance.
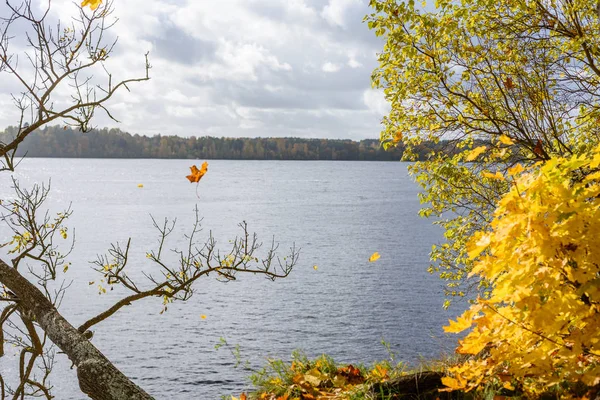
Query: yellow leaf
374,257
203,316
508,386
452,383
476,245
506,140
140,185
92,3
315,267
497,176
459,325
475,153
517,169
470,346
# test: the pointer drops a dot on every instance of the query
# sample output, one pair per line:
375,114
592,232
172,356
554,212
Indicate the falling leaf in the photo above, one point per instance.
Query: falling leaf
508,83
140,185
92,3
203,316
197,174
374,257
315,267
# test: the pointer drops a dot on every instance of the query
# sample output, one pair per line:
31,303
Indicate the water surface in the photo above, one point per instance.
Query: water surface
338,213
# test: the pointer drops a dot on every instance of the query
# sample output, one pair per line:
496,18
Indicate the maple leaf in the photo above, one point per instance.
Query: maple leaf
92,3
197,174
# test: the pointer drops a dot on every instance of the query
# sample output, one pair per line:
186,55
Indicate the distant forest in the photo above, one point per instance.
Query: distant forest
56,141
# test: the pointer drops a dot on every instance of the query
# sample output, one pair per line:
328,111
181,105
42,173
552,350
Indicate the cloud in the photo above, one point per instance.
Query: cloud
335,13
330,67
238,68
375,102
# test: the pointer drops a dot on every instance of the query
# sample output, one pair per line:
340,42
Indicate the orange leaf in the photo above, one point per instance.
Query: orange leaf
243,396
92,3
197,174
397,137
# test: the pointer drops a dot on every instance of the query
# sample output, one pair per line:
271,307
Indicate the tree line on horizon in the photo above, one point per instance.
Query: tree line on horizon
56,141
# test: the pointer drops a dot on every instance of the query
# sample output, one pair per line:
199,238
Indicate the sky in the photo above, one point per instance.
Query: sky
235,68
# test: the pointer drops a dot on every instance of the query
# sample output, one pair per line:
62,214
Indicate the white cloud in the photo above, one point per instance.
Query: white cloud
330,67
335,12
375,101
236,68
352,60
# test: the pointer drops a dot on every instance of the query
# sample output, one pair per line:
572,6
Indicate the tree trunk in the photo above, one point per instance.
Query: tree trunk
98,377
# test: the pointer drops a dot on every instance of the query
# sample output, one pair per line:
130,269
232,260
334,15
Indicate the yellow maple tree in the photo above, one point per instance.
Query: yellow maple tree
538,327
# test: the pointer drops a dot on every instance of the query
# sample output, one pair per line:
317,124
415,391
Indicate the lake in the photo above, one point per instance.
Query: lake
338,213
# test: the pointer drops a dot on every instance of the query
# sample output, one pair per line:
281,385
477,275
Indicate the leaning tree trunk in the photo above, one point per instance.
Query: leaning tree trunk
98,377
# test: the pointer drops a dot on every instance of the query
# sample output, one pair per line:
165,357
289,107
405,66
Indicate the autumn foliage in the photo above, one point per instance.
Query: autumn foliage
320,378
539,326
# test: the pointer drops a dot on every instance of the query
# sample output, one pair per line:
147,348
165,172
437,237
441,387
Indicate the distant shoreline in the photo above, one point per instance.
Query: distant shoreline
197,158
62,142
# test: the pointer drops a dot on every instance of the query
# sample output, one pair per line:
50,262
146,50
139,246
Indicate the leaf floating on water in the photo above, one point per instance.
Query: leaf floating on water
315,267
203,316
374,257
197,174
140,185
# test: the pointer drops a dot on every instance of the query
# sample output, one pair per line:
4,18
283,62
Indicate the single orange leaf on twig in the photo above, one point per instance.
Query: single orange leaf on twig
197,174
93,4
